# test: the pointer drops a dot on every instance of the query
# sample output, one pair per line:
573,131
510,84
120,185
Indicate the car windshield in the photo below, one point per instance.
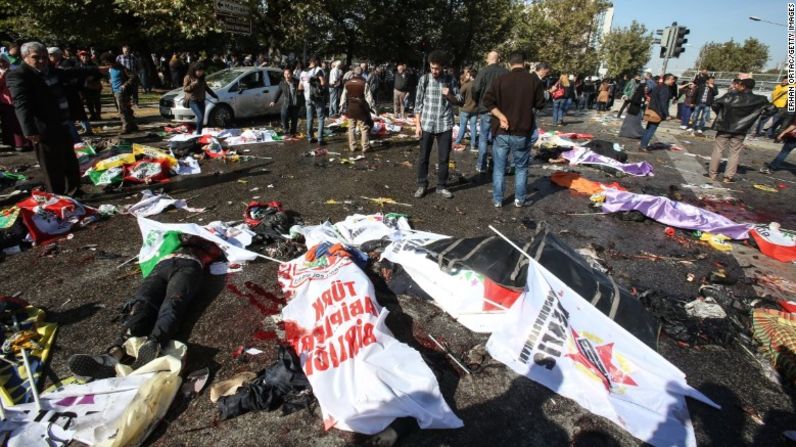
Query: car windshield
221,78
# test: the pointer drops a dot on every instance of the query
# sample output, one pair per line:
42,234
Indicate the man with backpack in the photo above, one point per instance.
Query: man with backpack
436,96
313,83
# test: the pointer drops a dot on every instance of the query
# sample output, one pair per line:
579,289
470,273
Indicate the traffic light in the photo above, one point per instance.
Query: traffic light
679,40
664,40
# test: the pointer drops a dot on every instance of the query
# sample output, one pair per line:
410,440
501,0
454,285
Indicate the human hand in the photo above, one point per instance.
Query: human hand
34,139
418,132
504,123
271,104
445,91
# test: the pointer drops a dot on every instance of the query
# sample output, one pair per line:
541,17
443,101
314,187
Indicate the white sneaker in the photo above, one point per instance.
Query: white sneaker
683,127
699,132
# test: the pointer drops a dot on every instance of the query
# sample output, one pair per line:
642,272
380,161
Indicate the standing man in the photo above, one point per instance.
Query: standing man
357,102
130,62
483,80
288,87
92,88
123,84
335,88
659,103
736,112
313,84
541,72
43,113
508,100
434,122
72,88
400,90
704,95
778,113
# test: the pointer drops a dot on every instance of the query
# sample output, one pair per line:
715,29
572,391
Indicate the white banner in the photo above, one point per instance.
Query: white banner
554,337
362,376
472,299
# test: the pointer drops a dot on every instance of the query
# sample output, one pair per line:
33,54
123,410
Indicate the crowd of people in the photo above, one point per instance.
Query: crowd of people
46,93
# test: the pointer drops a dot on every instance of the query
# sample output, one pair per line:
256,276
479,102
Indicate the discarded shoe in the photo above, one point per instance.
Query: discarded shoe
95,366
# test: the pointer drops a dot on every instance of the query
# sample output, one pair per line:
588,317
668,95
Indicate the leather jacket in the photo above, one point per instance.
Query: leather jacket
737,112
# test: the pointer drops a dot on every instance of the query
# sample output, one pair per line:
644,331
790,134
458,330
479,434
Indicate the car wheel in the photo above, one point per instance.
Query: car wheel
221,117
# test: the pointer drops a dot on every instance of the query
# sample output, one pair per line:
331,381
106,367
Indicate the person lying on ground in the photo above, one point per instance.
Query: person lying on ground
158,307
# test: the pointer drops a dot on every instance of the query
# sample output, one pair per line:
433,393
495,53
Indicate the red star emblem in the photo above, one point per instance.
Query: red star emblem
598,360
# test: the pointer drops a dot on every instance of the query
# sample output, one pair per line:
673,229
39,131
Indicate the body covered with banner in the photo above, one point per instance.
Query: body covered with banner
362,376
555,337
162,239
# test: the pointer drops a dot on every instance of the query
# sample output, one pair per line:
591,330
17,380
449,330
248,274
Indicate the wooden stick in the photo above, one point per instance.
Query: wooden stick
449,354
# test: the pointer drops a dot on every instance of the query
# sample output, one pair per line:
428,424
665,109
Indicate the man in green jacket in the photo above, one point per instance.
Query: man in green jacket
627,93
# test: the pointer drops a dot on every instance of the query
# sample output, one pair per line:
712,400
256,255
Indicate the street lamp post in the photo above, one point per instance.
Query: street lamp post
758,19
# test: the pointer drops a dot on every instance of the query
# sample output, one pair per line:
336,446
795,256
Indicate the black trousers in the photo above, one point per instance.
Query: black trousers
57,159
290,119
427,139
160,302
622,109
93,103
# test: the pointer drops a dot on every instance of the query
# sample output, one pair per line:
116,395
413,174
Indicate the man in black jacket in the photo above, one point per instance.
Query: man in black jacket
482,82
736,112
43,113
288,87
508,100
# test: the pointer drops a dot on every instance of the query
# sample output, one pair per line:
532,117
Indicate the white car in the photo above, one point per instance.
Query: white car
243,92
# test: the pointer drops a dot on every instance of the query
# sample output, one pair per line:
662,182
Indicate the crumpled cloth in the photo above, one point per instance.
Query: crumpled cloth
283,384
583,156
675,214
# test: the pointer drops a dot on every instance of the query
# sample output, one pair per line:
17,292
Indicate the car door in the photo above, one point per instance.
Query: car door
251,95
273,78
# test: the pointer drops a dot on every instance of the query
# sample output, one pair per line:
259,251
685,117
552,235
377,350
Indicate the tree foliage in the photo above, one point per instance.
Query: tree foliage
560,32
750,56
625,51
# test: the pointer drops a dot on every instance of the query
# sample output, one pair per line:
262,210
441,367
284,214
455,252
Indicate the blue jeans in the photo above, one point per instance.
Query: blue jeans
701,114
559,109
685,114
198,109
485,120
312,110
648,134
466,118
334,99
520,148
783,154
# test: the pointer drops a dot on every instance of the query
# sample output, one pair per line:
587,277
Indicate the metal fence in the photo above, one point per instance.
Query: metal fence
764,82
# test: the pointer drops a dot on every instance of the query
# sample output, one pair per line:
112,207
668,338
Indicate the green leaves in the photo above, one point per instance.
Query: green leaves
732,56
625,51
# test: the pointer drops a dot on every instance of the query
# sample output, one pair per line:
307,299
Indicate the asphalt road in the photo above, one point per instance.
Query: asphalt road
82,288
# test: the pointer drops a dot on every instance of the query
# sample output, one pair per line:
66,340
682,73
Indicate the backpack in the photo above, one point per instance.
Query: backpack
318,92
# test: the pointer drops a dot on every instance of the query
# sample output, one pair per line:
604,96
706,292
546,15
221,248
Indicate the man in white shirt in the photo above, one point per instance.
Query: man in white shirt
335,88
315,88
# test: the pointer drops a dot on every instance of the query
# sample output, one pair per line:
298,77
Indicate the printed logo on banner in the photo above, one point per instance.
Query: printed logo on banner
312,271
550,340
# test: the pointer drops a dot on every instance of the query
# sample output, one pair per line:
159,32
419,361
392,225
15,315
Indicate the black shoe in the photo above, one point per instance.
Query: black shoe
95,366
149,351
322,143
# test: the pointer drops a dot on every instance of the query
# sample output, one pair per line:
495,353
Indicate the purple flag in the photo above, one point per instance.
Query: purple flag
675,214
583,156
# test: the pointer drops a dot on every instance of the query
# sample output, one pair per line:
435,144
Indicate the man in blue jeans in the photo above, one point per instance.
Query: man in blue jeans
481,84
513,122
703,98
313,83
787,147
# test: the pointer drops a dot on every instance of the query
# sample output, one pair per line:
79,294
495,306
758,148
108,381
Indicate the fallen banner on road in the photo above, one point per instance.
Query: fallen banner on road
48,216
362,376
556,338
